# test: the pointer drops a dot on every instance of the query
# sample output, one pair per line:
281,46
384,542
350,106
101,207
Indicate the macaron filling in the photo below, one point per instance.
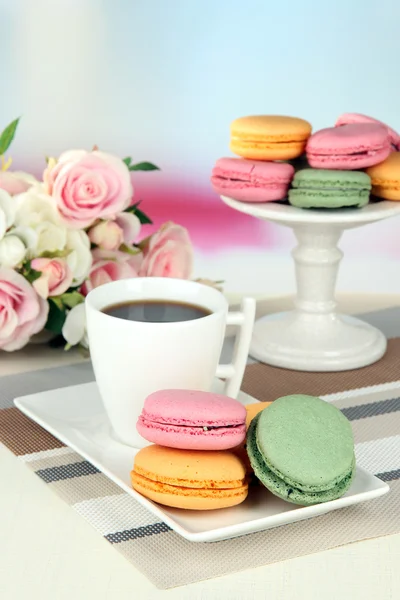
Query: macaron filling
233,180
268,143
322,188
188,483
333,154
185,490
386,184
193,427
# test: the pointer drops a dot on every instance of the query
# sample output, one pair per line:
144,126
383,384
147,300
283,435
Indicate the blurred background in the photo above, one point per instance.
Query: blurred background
161,80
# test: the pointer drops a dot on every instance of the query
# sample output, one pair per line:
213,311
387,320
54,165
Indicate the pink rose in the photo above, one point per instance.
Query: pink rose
88,186
169,253
107,235
109,265
55,279
16,182
22,312
130,226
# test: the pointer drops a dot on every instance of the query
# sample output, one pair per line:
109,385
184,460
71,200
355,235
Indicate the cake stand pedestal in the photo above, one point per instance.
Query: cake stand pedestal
314,337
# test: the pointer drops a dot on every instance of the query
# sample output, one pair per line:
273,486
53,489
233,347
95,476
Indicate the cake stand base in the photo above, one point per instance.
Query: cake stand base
314,337
302,342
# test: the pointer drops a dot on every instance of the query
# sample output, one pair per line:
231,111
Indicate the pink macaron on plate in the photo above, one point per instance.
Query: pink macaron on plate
192,420
349,147
251,181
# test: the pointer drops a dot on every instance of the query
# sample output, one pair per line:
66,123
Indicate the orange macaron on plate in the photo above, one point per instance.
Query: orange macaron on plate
84,427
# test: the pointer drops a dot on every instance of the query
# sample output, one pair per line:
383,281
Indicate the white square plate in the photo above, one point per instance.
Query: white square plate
75,415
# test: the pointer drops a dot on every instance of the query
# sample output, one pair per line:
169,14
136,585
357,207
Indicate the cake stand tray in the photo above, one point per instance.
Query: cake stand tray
314,337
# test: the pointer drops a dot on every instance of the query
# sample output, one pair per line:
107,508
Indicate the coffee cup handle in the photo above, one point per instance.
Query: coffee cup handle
233,372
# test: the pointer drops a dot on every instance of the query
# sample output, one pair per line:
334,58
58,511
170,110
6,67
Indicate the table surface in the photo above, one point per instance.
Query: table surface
49,552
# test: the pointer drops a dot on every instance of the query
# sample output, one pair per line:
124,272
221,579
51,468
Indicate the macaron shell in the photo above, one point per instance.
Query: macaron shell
187,498
283,490
327,199
190,468
350,118
306,441
386,178
193,408
251,181
189,479
250,194
276,128
269,137
353,146
191,438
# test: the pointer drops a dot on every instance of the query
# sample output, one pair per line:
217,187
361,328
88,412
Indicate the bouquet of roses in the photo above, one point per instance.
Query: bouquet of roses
72,231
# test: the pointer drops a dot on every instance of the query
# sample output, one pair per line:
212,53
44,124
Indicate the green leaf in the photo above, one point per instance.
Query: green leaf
57,342
58,302
30,274
56,317
7,136
84,352
144,166
129,249
127,161
72,299
143,218
55,253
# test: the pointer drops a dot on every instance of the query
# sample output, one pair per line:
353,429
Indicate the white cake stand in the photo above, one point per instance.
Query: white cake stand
313,337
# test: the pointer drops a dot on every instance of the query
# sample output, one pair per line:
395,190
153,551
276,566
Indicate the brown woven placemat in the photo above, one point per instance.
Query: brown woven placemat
169,560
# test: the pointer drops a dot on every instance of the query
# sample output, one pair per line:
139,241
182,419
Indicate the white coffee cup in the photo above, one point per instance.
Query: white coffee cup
132,359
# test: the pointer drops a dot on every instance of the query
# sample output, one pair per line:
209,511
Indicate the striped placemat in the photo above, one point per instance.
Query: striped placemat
369,397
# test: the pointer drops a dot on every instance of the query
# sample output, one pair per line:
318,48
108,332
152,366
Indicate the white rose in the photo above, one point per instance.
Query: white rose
34,207
7,212
50,237
12,251
36,211
79,258
74,328
28,236
16,182
26,177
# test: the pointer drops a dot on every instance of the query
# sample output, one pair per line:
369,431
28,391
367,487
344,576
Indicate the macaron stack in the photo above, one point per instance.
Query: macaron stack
265,144
340,160
190,464
299,447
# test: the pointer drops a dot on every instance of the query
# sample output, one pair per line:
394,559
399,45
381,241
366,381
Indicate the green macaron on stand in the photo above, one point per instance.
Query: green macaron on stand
327,188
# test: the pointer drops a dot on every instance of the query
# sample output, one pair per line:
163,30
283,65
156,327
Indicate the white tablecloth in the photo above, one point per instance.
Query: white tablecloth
48,552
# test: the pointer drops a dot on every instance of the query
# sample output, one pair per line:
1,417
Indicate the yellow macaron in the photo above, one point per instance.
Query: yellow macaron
191,479
269,137
385,177
251,411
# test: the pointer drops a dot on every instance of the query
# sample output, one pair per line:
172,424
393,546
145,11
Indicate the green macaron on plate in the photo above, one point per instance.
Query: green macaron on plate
301,448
